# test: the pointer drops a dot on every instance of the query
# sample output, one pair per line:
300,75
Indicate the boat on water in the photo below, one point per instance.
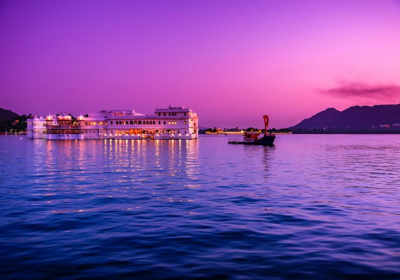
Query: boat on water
254,138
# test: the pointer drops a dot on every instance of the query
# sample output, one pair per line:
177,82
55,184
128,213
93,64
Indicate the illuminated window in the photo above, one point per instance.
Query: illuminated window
184,122
169,122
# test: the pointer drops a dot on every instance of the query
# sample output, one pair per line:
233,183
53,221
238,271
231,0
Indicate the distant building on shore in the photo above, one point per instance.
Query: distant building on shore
166,123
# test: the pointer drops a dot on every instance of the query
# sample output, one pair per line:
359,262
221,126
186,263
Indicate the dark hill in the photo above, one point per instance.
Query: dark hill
356,117
6,115
11,122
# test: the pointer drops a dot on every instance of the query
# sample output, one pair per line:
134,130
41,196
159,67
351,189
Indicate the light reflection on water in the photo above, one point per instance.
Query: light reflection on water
314,206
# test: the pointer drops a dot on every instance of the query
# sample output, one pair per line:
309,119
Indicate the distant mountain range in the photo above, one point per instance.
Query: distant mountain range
356,117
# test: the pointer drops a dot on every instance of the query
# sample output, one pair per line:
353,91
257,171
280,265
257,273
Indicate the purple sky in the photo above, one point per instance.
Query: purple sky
231,61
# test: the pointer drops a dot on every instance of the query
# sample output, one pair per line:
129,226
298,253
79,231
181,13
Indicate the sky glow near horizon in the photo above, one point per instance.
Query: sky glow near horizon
230,61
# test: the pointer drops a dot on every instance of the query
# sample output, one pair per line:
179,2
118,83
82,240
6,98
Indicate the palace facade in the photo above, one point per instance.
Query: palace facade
166,123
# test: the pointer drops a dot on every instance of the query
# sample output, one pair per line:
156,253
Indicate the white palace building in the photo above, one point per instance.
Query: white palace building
169,123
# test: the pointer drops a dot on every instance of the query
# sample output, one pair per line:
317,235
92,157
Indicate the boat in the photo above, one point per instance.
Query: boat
254,138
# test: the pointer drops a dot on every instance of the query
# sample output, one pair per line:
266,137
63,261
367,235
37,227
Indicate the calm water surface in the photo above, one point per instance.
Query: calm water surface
312,207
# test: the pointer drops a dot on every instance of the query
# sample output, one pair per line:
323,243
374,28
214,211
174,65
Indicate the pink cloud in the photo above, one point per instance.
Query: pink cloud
359,90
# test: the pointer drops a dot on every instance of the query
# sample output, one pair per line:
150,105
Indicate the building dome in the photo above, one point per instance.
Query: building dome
64,117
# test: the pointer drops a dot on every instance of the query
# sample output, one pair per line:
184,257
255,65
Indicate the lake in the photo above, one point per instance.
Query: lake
312,207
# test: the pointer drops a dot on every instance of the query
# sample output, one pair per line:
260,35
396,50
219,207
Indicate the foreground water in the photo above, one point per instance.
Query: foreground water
312,207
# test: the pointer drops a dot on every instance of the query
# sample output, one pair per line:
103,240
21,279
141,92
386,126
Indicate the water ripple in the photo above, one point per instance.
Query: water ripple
313,207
